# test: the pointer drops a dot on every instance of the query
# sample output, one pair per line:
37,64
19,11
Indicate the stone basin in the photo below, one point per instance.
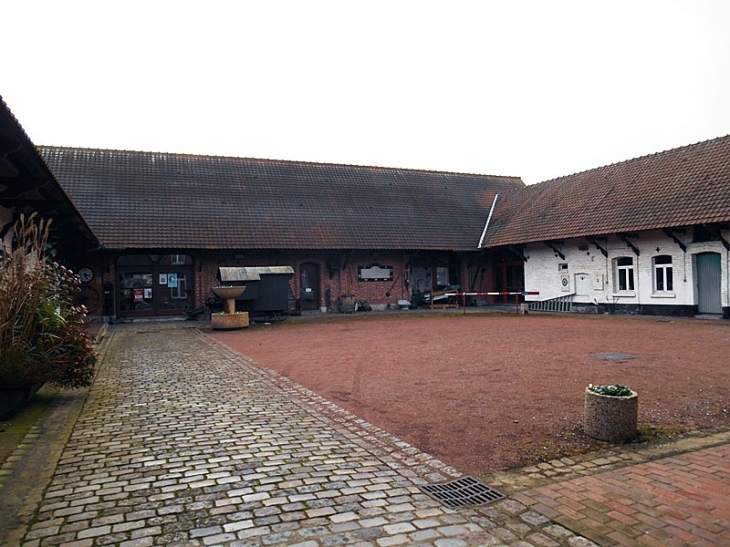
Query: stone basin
229,321
226,293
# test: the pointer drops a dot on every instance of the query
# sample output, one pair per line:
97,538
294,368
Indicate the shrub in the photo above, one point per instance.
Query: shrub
42,332
612,391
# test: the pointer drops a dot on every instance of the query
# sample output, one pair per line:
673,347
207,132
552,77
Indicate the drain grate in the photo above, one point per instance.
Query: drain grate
462,492
615,356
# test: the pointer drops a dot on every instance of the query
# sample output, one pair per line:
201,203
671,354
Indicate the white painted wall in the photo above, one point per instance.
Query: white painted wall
590,275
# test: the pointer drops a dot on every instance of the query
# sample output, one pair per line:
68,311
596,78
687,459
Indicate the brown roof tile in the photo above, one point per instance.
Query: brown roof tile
160,200
681,187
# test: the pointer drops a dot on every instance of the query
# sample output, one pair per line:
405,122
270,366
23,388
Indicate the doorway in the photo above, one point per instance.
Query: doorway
709,274
309,286
583,289
154,285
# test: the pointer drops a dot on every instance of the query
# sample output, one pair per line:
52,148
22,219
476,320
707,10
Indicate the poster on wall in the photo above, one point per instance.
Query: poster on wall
172,280
138,295
163,279
147,294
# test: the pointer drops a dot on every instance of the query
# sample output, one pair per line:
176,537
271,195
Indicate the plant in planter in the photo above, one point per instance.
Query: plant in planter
612,391
611,413
42,332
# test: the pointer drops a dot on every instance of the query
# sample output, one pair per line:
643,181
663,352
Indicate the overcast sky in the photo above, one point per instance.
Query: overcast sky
536,89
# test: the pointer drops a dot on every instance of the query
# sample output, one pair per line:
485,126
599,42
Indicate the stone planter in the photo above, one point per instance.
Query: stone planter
611,419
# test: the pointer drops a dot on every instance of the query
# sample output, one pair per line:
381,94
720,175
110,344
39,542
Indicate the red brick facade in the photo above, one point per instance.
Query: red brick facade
329,274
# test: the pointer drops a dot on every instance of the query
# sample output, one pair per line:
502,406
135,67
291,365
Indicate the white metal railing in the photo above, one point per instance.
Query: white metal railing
560,304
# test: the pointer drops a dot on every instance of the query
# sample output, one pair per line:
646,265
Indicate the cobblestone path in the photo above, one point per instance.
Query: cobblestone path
182,442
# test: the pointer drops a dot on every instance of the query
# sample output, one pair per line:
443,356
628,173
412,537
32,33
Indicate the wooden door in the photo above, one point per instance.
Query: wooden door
708,283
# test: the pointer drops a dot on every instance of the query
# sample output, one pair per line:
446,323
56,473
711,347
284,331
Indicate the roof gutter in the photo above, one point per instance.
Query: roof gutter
489,218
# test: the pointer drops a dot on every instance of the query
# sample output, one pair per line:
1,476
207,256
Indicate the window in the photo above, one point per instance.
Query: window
180,291
663,281
177,260
625,274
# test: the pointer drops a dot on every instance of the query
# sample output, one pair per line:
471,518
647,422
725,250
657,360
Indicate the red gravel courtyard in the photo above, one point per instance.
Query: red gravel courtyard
486,392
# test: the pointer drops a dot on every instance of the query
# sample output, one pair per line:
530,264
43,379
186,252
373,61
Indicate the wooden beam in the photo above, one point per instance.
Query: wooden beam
518,251
592,240
625,239
670,233
554,248
718,233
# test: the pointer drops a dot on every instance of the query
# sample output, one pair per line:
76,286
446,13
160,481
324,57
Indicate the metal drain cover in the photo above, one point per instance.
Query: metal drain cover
462,492
615,356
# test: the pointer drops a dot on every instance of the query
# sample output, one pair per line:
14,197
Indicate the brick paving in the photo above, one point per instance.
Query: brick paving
183,442
678,500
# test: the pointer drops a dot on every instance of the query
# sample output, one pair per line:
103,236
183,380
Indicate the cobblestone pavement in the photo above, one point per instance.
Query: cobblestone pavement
183,442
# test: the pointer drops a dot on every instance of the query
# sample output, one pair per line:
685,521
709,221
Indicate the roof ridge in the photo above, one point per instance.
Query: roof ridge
273,160
638,158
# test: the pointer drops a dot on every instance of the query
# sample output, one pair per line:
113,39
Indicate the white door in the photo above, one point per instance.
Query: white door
583,288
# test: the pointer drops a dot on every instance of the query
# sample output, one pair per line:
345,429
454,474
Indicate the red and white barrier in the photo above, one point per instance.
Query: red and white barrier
516,294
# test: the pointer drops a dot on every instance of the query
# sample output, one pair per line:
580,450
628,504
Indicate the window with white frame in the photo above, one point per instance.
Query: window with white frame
180,291
624,272
663,279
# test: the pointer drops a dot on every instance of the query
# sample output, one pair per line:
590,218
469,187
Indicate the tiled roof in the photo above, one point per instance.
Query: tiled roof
681,187
27,185
161,200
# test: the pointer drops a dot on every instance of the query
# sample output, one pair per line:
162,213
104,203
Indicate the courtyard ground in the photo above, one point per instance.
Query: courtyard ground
489,392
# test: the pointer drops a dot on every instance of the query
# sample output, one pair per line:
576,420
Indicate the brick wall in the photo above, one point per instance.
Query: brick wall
592,277
338,273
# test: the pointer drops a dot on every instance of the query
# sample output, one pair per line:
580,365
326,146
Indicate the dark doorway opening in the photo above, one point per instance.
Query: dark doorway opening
309,286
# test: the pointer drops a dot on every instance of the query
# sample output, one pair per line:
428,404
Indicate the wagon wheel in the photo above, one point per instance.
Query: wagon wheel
90,297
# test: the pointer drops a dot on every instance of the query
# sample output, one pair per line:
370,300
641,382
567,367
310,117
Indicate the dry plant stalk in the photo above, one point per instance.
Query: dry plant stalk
41,331
21,286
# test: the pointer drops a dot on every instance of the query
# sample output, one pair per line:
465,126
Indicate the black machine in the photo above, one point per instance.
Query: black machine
267,293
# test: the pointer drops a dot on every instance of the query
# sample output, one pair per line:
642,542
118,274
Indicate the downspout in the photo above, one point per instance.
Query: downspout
489,218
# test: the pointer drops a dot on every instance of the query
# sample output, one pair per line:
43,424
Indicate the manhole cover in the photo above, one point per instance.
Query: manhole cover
615,356
461,492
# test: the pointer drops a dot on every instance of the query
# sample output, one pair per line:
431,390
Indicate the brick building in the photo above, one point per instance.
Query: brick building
649,235
167,222
147,232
